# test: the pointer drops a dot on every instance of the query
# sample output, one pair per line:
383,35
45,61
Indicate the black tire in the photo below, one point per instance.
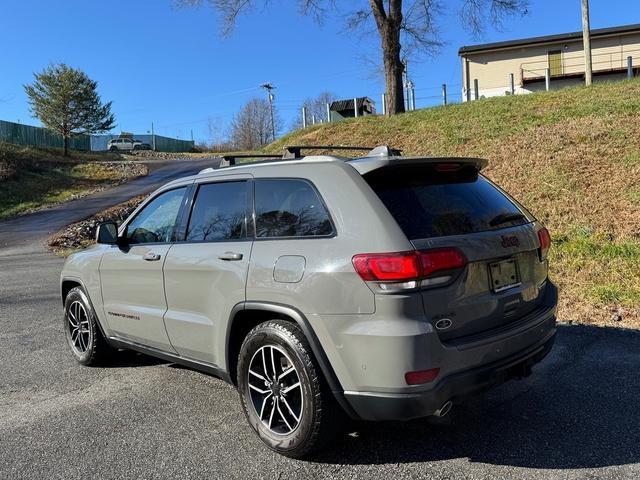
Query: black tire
87,343
319,416
113,149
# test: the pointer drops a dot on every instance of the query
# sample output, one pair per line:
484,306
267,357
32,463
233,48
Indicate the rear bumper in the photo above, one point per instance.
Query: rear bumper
405,406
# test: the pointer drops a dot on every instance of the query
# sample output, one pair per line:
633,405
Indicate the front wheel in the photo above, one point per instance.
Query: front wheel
283,393
81,329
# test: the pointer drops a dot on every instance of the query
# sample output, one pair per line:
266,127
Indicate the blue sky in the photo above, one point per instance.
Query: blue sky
172,67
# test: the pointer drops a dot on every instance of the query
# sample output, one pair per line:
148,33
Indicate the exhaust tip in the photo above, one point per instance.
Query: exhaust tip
444,409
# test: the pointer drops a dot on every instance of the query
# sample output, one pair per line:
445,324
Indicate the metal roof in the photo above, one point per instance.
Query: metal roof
523,42
340,105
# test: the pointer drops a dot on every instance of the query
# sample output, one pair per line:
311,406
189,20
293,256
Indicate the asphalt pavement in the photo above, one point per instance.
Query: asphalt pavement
576,417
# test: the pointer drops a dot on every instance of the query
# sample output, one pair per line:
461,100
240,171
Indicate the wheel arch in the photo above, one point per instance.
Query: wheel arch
246,315
69,283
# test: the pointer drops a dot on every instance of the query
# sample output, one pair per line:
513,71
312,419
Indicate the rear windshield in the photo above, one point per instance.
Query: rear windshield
430,203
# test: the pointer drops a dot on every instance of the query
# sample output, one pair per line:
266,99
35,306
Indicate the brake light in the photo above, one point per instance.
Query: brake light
545,242
448,167
411,269
421,376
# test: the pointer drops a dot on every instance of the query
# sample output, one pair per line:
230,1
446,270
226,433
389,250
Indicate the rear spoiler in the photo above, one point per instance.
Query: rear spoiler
366,165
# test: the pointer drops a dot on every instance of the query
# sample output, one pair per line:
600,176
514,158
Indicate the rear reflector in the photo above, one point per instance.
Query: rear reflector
421,376
545,242
407,266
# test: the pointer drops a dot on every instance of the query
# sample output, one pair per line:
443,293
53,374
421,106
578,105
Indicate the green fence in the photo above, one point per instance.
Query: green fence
19,134
166,144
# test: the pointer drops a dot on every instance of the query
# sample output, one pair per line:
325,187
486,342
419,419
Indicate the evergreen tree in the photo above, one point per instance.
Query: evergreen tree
66,101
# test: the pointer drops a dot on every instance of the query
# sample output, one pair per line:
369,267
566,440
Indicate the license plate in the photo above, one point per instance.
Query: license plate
504,275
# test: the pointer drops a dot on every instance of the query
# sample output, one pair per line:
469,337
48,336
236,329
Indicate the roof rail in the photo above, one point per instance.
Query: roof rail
293,151
230,160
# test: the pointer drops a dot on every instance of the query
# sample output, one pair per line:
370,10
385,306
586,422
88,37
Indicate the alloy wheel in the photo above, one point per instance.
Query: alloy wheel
275,390
78,325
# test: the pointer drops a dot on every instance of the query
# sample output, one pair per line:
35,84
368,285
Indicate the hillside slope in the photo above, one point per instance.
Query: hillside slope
32,178
572,156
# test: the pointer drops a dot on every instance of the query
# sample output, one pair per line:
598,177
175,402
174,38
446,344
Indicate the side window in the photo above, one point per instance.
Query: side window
219,212
289,208
155,222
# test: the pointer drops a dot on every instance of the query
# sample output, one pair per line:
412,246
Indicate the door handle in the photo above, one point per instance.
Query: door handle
151,256
230,256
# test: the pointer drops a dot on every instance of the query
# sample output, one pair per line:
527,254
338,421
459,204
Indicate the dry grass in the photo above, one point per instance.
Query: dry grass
571,156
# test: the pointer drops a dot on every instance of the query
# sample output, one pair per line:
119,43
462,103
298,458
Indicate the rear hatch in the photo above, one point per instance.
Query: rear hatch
449,204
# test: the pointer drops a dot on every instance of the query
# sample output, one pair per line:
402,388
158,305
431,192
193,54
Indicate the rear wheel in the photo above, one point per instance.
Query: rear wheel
283,394
113,148
81,329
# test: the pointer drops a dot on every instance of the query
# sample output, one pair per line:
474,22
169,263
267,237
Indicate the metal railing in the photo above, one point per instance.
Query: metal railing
573,64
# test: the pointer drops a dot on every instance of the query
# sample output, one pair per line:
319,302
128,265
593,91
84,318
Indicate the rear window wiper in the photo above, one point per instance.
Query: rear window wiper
505,218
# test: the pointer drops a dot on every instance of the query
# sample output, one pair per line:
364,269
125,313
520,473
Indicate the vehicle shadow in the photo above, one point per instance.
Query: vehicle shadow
579,409
132,359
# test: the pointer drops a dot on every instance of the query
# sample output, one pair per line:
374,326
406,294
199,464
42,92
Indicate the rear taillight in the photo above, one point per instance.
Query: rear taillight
438,260
545,242
402,266
391,272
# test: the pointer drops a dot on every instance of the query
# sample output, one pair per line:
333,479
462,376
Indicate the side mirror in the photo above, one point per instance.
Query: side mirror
107,233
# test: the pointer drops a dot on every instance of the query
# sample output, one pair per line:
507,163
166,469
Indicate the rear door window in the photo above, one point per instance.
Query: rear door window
290,208
428,202
219,212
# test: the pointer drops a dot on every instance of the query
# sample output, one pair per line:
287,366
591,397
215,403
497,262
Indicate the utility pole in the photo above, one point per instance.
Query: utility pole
405,81
268,87
586,41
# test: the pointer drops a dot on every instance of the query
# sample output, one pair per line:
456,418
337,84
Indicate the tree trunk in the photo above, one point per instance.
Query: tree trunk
65,143
393,70
389,25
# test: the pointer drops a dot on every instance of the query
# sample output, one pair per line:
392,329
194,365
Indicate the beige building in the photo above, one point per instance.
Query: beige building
615,55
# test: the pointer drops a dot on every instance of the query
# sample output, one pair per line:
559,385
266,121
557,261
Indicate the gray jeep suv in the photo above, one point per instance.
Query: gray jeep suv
380,288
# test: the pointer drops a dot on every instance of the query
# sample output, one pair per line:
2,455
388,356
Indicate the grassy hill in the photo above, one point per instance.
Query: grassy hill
32,178
572,156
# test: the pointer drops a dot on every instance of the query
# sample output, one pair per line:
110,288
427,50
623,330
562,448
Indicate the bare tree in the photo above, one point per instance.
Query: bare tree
251,126
408,25
314,108
218,139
